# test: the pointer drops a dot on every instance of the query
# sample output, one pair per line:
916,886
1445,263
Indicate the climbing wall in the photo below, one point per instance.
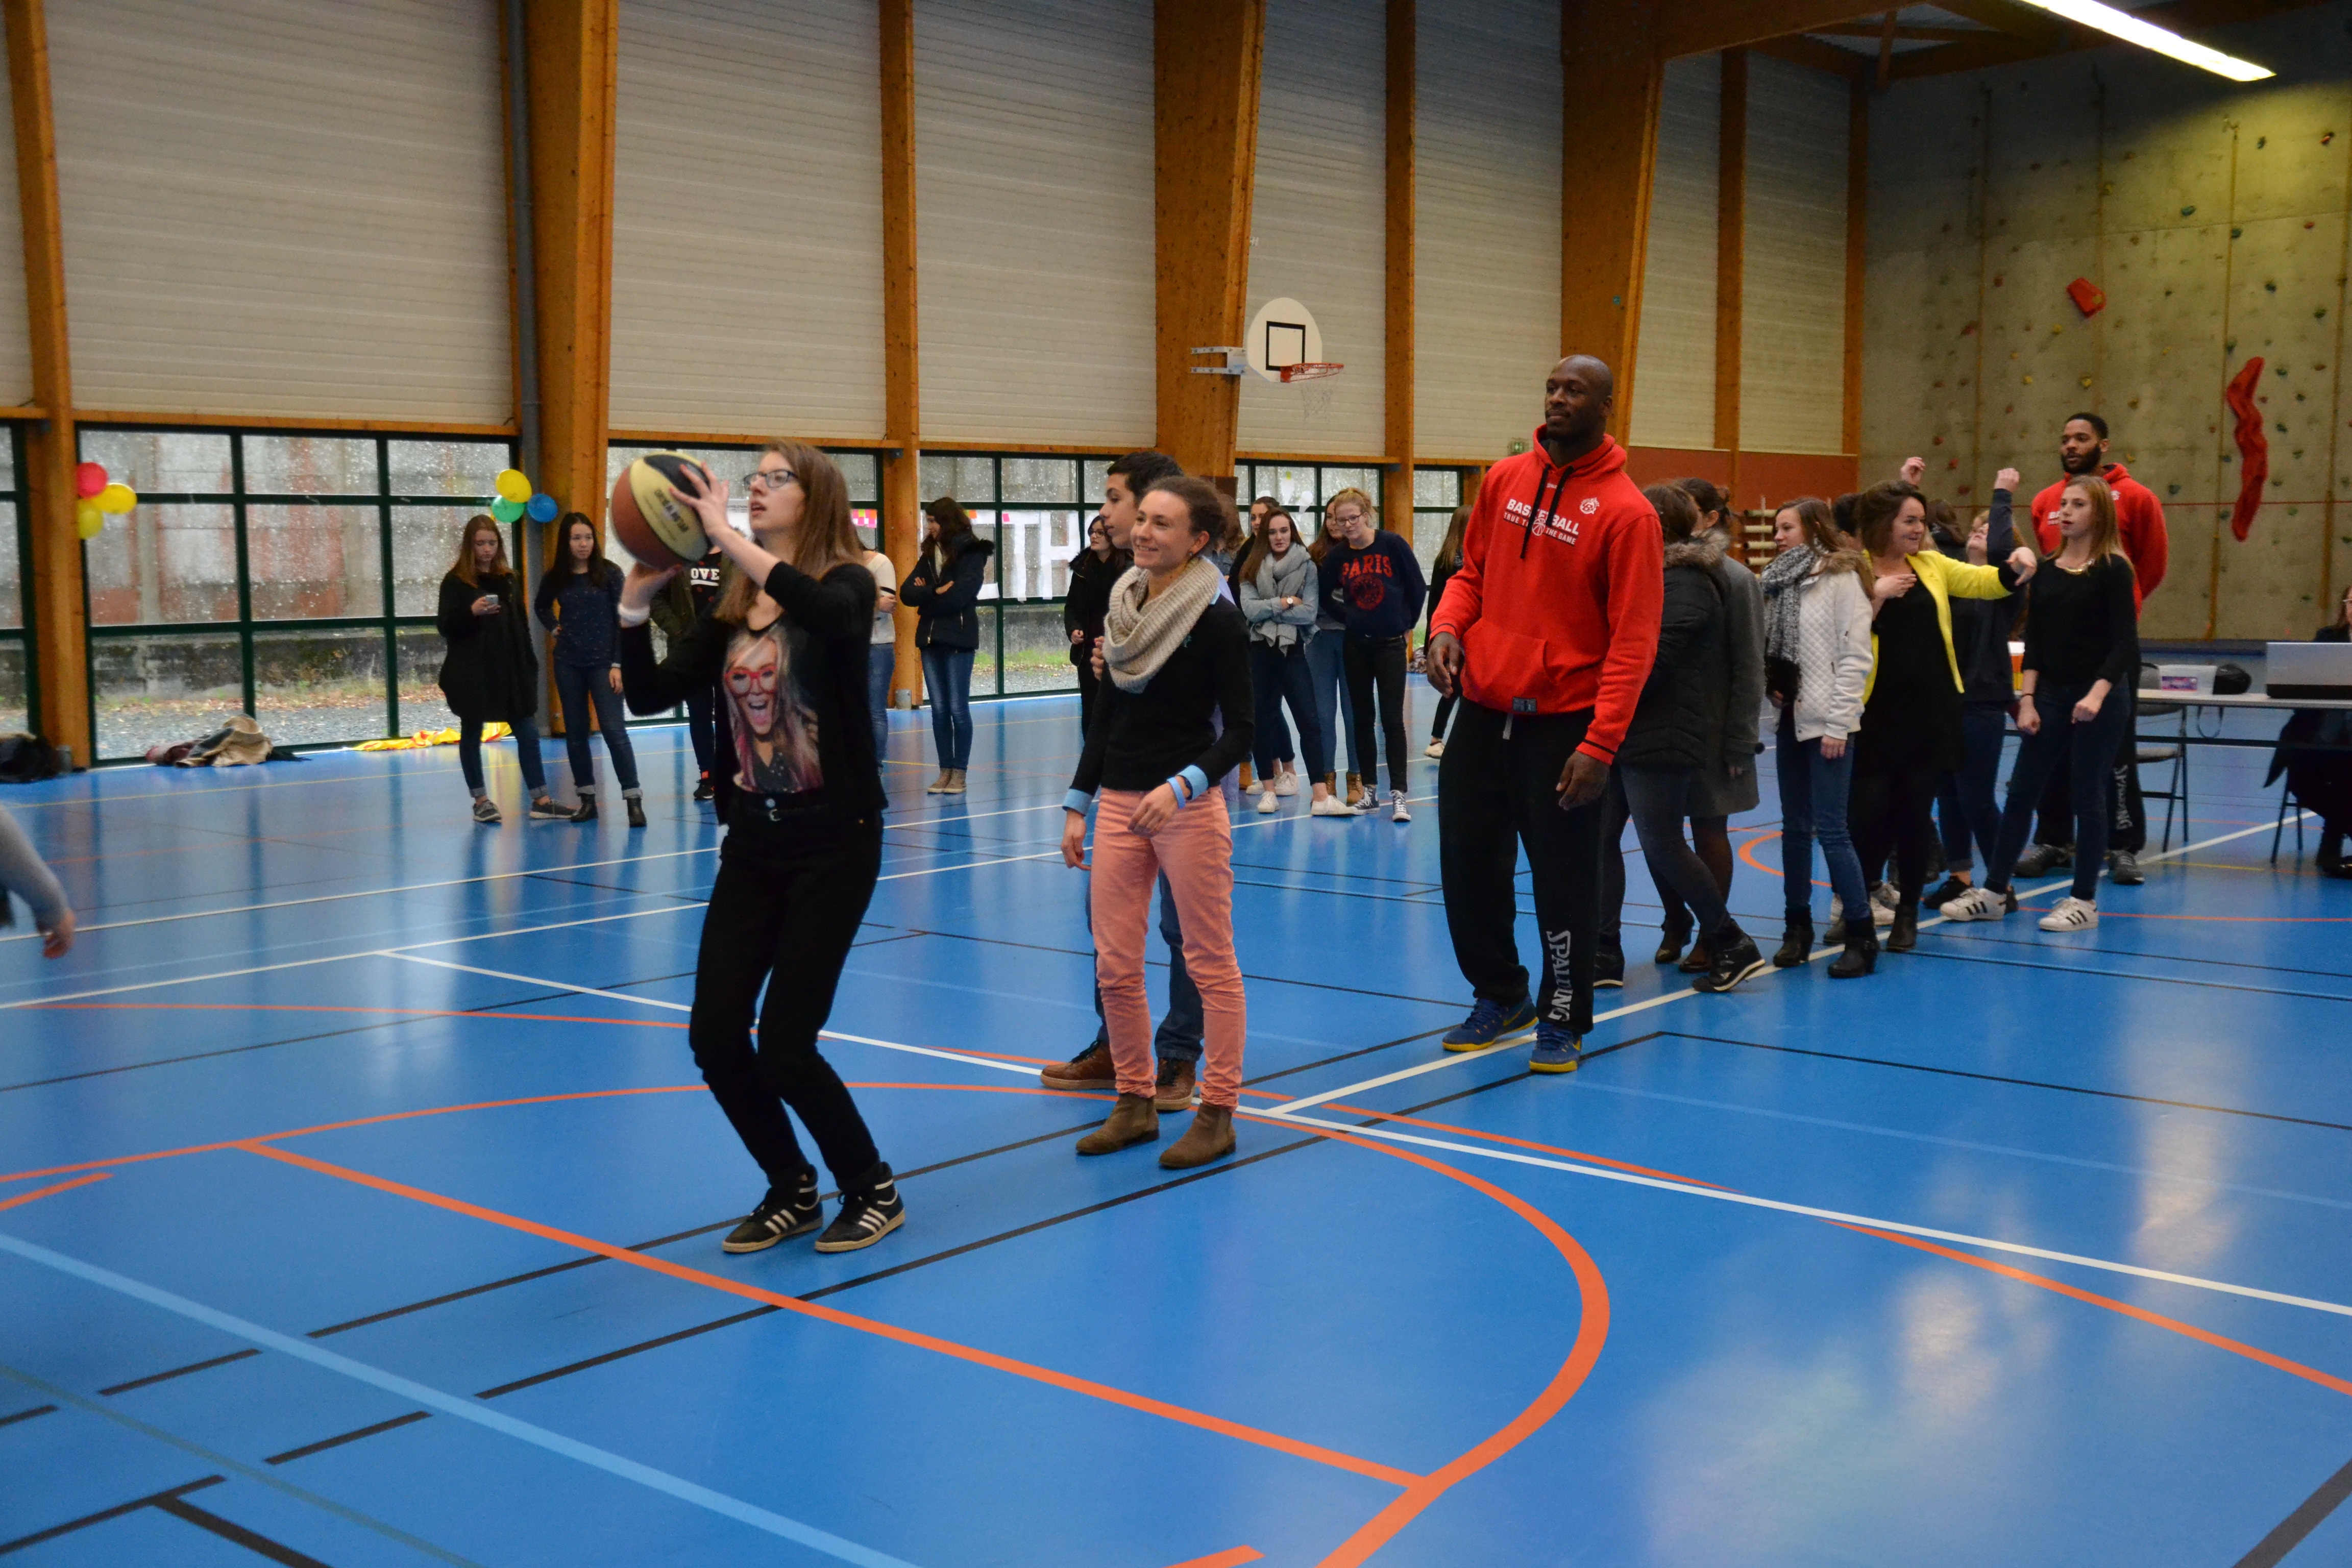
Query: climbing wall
2214,220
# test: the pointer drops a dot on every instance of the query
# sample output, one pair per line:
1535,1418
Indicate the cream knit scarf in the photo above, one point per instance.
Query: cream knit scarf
1140,635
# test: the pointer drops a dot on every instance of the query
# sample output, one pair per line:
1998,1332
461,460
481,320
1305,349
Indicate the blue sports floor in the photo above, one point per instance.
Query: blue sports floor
363,1207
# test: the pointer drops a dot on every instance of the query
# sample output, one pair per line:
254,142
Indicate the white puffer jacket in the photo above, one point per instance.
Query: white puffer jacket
1832,654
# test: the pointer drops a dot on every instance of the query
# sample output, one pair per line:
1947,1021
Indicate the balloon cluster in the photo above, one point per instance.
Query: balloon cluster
516,499
98,498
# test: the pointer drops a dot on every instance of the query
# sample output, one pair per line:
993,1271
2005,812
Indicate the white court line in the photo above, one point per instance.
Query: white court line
1455,1058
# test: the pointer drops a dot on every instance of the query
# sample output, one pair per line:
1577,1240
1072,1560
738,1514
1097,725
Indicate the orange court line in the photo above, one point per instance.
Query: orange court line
1232,1559
2205,1336
52,1191
990,1359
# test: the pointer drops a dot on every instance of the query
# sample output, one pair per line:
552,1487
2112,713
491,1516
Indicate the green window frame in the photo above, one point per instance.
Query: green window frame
20,669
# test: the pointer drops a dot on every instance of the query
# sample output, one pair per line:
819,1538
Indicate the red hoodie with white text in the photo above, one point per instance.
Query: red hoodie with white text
2139,517
1558,597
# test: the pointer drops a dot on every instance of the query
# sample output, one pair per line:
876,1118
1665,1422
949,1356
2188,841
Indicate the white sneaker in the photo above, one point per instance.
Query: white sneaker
2072,914
1976,904
1330,805
1266,801
1883,899
1286,784
1435,748
1396,813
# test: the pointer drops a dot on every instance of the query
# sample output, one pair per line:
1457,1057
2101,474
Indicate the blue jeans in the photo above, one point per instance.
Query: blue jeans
1813,791
1278,676
1965,807
947,678
881,663
1179,1036
579,686
526,734
1326,668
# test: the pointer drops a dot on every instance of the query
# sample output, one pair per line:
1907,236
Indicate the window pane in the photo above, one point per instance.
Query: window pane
984,662
1098,475
1437,487
318,686
862,472
1365,480
7,462
310,562
1294,488
984,525
15,699
162,463
1038,547
164,564
1041,478
422,706
310,466
445,468
154,691
424,547
12,567
1036,650
972,480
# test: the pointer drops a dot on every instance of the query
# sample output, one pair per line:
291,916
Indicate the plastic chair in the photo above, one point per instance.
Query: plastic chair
2278,830
2175,795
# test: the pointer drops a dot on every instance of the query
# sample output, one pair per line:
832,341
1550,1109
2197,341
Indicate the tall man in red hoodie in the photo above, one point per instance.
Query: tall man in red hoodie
2082,450
1547,631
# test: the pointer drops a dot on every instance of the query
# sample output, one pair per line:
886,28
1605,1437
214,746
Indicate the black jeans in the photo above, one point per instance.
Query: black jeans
782,914
1444,712
1966,811
526,734
1497,788
1893,812
1381,663
2126,811
2081,758
698,725
579,685
1278,676
1656,800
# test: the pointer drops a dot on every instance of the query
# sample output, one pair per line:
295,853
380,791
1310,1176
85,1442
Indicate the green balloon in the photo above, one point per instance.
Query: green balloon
506,511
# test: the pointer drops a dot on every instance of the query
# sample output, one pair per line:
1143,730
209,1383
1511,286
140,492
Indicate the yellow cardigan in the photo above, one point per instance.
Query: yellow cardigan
1944,579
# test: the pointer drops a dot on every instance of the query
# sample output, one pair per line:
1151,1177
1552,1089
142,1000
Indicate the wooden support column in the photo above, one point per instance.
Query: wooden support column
1730,256
1396,503
60,655
1207,58
572,54
901,359
1857,252
1613,78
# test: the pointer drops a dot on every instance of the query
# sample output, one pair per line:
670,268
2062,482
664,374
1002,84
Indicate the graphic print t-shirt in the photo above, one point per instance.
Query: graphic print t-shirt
771,709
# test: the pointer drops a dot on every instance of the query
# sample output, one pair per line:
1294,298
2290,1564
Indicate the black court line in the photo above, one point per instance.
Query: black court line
26,1414
1999,1077
244,1355
2290,1531
2119,975
2158,957
323,1443
550,1375
152,1499
1343,1057
277,1552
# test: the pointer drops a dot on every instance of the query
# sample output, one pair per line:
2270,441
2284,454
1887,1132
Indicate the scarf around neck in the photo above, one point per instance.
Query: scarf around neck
1288,576
1140,635
1786,570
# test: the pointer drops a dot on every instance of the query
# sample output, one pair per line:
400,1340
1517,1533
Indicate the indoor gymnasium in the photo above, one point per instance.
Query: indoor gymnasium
948,782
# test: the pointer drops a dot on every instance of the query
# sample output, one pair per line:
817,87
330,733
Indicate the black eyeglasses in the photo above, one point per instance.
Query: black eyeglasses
770,479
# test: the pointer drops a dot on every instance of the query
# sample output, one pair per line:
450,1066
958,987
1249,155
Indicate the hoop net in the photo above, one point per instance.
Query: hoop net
1310,370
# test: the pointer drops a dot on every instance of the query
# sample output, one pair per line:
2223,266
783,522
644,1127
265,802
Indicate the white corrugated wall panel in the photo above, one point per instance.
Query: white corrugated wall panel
1674,380
1033,193
1318,224
1792,320
16,334
747,219
1486,234
278,208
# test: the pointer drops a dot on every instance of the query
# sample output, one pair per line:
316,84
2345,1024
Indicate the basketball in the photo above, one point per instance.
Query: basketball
653,521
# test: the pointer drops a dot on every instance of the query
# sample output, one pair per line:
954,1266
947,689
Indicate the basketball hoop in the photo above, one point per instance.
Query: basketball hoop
1310,370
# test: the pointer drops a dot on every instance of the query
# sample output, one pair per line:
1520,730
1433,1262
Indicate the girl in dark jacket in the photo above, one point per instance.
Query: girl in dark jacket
943,591
577,599
2322,780
1092,571
1677,731
489,674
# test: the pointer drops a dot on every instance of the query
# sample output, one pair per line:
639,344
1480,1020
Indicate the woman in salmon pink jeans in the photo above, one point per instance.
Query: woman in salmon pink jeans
1176,663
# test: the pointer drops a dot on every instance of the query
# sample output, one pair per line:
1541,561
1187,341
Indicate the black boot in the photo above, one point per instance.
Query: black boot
1861,955
2330,859
587,811
1796,942
1670,945
1903,935
636,812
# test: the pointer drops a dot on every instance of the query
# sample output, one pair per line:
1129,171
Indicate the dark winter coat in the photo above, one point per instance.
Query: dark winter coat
1679,722
490,672
2321,780
944,601
1088,599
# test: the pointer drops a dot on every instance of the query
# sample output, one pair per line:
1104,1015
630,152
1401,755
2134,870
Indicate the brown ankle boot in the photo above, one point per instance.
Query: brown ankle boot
1134,1119
1211,1137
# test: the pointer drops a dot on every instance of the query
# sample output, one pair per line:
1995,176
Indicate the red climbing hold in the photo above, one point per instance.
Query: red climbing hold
2254,449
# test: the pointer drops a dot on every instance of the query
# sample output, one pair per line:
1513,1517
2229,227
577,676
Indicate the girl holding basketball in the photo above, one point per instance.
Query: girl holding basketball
797,787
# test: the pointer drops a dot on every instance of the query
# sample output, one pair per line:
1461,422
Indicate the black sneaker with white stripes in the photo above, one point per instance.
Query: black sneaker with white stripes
870,1210
784,1213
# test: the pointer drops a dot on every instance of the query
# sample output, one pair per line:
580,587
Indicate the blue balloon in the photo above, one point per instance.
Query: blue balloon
542,508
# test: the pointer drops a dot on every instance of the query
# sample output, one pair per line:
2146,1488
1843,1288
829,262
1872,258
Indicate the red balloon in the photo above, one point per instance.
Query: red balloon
89,480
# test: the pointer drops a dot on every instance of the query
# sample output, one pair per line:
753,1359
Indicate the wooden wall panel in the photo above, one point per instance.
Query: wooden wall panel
1679,302
1792,311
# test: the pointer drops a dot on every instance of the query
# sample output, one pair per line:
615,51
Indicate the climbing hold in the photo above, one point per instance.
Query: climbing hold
2188,212
2086,380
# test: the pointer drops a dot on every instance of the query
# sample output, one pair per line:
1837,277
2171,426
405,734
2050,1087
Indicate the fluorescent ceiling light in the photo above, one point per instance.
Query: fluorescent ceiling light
2148,36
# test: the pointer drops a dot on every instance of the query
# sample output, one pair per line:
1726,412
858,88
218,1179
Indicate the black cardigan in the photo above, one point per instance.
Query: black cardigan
1088,599
2082,627
490,673
1142,739
945,612
829,673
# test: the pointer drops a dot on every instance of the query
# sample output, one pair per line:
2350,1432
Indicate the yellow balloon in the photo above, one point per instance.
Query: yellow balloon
512,484
89,519
116,497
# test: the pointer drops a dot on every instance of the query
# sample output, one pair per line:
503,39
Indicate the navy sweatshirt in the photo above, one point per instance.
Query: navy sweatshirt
1376,592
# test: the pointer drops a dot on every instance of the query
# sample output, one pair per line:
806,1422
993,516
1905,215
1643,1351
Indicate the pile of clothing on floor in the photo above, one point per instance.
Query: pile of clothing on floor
238,744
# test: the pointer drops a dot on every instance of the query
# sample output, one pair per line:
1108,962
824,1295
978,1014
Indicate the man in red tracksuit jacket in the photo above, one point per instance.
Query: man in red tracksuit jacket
1547,632
2082,450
